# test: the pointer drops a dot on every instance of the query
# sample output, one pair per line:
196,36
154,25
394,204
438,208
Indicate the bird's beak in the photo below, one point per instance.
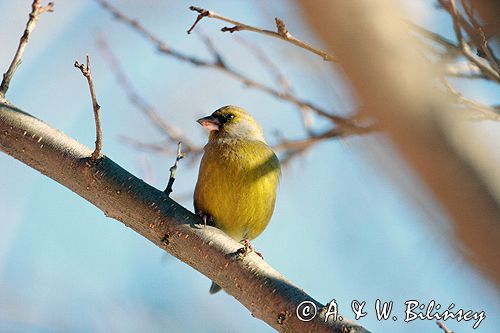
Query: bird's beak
210,123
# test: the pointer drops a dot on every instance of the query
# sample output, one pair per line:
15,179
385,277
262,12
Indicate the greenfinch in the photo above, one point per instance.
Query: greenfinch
238,176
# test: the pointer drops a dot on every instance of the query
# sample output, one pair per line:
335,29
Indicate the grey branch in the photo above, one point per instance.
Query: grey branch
267,294
95,106
280,33
268,64
36,10
291,148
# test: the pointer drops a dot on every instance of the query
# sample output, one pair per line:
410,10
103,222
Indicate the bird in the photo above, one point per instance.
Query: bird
238,176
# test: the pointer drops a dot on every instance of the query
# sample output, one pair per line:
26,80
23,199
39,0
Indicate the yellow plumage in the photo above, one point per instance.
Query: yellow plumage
238,176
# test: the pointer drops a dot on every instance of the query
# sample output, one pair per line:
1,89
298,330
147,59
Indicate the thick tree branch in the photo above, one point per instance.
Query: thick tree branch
280,33
36,10
266,293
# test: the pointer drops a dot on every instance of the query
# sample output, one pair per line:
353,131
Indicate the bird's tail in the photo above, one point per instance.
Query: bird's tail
214,288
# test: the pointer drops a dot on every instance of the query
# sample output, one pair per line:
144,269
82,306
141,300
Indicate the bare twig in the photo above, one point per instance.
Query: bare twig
159,148
469,70
311,140
173,169
486,111
452,51
161,46
88,75
218,58
483,46
280,33
291,148
271,67
341,121
281,79
464,46
36,10
443,327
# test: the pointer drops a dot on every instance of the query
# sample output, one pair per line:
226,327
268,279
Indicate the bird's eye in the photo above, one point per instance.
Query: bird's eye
229,116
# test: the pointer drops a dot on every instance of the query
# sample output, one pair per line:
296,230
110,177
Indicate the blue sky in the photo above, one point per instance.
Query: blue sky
343,227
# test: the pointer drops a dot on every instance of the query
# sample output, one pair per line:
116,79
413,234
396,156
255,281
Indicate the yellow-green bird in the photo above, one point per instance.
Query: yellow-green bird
238,177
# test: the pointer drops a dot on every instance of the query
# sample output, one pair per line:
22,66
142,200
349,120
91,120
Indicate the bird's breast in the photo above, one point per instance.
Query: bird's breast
237,185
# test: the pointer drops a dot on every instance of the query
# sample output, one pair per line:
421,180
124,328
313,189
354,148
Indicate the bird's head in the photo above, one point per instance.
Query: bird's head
232,122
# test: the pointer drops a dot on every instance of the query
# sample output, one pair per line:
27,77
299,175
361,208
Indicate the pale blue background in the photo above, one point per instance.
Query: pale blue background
343,228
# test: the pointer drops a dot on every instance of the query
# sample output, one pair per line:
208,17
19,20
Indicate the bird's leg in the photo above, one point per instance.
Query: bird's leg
249,247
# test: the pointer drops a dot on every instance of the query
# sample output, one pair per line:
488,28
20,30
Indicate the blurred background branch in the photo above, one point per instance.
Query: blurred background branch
419,120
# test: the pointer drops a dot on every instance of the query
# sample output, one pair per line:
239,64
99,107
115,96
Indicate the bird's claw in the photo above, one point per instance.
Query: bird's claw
207,219
248,247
